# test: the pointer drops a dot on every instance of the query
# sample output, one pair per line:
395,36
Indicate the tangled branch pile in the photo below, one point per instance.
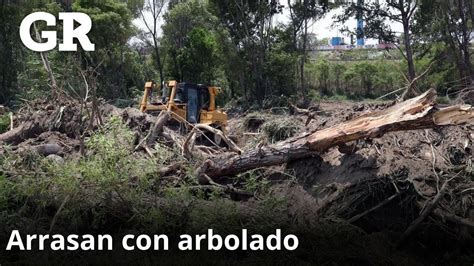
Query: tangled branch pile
411,182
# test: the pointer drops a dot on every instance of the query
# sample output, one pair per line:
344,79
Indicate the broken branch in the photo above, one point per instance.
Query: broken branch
416,113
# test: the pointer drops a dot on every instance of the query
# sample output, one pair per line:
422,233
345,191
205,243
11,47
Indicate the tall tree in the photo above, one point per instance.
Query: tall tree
250,24
190,38
377,16
112,20
151,15
450,22
302,14
199,56
458,16
9,17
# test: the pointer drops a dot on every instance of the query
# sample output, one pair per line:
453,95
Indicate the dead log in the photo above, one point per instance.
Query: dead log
417,113
157,128
310,114
68,118
64,119
37,125
201,129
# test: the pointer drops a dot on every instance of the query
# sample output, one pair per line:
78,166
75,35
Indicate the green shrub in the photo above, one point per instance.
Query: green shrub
110,176
279,129
5,190
254,121
315,95
4,123
443,100
339,98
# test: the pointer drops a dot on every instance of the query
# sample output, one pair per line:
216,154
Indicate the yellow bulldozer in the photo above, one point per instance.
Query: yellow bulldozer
193,103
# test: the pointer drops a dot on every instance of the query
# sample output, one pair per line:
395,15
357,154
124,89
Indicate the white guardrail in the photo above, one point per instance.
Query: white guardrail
353,47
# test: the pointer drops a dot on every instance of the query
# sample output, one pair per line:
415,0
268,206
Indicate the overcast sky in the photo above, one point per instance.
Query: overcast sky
321,28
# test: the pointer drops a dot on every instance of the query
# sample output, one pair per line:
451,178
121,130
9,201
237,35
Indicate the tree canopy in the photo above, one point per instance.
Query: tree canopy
241,46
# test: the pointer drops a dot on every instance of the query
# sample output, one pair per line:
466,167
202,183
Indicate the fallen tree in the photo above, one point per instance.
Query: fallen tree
68,119
417,113
200,129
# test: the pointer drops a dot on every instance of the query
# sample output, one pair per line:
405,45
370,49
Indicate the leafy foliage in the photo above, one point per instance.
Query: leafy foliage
237,45
4,123
198,57
191,35
108,174
359,79
9,16
280,130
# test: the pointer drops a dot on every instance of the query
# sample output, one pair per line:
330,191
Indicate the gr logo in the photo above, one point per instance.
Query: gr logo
69,32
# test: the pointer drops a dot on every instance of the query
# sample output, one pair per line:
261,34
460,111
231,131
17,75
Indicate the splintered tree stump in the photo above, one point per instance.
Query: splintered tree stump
417,113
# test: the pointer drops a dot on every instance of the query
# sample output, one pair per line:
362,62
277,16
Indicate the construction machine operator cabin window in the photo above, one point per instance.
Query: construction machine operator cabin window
193,106
205,98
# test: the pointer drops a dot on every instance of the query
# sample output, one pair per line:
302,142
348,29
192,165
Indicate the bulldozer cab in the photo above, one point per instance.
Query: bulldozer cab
193,102
195,97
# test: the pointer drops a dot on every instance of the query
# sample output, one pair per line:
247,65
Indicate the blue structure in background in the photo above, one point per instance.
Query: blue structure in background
337,41
360,32
357,39
360,24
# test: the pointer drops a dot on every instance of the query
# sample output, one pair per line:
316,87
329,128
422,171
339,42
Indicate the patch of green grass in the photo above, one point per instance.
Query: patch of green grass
442,100
110,176
4,123
280,129
315,95
5,190
253,181
254,120
339,98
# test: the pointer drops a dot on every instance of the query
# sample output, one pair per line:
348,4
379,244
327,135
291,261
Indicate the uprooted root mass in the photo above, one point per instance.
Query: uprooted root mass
411,189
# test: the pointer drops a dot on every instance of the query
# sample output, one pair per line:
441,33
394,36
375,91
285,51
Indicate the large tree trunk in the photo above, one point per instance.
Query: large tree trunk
303,60
410,92
465,41
416,113
411,64
158,62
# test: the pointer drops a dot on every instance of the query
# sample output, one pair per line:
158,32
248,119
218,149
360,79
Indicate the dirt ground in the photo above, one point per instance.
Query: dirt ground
347,185
378,189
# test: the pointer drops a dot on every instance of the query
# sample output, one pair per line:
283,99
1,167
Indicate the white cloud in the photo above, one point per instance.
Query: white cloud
323,28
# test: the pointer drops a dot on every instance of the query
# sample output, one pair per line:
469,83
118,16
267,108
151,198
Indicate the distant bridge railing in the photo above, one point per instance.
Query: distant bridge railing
346,47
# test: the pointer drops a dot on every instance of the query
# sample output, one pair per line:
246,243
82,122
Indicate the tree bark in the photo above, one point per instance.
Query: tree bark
156,8
416,113
157,128
158,62
465,41
303,60
46,64
46,120
409,52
